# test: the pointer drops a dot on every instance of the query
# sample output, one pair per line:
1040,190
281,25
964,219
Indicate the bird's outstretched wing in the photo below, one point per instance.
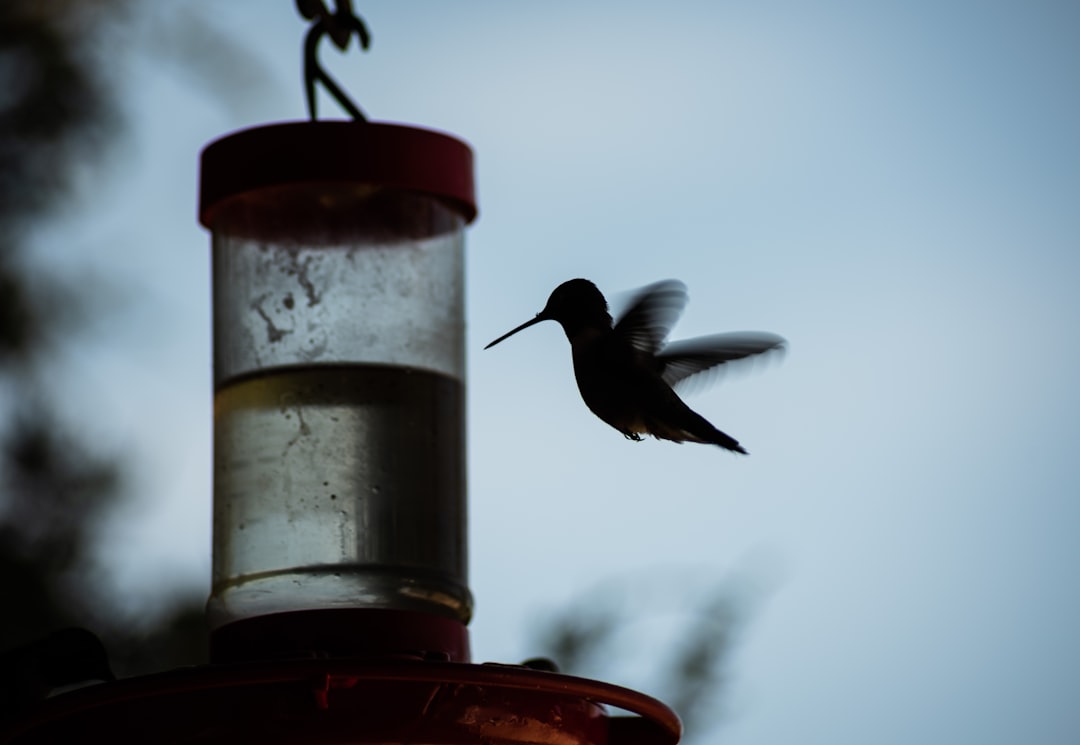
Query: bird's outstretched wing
653,310
684,359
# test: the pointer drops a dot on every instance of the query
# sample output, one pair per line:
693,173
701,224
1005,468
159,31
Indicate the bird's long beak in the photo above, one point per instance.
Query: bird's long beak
532,321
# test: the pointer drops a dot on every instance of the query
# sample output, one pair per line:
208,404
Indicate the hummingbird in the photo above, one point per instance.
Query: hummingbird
624,370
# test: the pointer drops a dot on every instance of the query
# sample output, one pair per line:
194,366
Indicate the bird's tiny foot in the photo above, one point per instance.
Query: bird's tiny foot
632,436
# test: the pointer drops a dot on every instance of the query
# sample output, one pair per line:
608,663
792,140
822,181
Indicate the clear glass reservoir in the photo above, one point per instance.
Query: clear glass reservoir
339,394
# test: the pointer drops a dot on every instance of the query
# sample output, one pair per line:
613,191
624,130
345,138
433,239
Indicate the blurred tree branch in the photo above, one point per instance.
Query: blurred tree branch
54,115
682,633
61,107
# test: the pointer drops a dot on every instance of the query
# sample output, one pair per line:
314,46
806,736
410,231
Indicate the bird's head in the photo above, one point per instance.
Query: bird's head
575,304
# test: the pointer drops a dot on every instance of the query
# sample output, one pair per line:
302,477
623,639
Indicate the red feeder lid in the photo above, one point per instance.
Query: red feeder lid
391,156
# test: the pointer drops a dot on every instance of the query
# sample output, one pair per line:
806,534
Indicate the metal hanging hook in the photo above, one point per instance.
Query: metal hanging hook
340,25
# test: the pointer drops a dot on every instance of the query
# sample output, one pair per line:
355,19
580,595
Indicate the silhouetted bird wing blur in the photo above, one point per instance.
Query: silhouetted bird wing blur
704,354
648,321
652,312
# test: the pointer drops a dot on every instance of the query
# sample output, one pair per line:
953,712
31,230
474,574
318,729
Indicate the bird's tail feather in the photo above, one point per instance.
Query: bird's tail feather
698,429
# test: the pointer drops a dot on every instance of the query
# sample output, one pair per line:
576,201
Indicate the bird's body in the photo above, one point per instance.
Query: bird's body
619,385
624,371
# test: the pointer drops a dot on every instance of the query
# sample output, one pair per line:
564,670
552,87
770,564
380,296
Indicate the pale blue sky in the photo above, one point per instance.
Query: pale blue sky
894,187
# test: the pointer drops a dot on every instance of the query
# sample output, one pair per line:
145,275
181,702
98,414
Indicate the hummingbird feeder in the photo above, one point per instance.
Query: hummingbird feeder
340,597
